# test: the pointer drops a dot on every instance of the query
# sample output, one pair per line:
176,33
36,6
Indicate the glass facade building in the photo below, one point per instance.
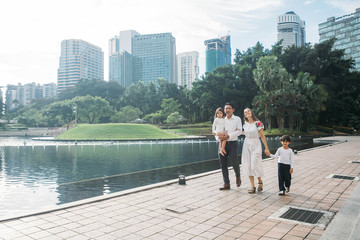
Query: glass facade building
291,29
346,30
154,57
188,68
121,59
218,52
79,60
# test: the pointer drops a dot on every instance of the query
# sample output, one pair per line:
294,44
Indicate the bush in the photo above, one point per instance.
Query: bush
344,129
324,129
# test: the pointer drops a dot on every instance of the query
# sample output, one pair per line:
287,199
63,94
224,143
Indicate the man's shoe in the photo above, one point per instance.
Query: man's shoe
238,181
287,189
225,187
282,193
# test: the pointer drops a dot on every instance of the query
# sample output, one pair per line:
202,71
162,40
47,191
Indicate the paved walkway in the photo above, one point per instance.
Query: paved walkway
207,212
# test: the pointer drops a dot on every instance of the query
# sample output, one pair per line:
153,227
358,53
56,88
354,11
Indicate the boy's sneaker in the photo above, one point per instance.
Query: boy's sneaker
287,189
282,193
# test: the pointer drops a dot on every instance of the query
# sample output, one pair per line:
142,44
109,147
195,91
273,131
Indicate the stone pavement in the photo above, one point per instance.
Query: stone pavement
206,212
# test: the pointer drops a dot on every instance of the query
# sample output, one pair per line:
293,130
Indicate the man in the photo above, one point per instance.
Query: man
233,127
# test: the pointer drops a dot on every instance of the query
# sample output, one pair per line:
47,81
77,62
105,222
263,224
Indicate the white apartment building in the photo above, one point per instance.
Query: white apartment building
187,68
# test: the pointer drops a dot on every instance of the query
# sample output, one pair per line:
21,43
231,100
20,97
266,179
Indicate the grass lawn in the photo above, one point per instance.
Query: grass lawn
197,129
276,131
115,131
192,131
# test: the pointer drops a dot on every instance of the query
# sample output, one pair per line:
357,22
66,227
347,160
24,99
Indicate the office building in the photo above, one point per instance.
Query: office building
291,29
346,30
79,60
121,59
187,68
154,58
218,52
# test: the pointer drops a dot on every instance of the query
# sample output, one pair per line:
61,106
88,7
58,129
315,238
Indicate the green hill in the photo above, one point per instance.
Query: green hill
115,131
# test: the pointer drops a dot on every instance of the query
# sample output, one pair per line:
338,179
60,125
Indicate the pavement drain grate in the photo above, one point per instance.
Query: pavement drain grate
302,215
177,209
343,177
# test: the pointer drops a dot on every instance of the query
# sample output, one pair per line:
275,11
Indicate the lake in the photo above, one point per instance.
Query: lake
37,174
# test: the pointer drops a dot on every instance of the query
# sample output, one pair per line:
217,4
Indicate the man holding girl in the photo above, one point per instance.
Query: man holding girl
228,154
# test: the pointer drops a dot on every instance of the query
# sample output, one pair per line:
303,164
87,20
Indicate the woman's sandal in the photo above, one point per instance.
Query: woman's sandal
260,186
252,190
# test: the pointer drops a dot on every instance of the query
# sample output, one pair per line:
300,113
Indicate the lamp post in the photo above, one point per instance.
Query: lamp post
75,111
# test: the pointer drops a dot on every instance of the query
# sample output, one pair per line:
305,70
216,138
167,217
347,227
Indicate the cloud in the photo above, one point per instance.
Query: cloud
33,33
347,6
308,2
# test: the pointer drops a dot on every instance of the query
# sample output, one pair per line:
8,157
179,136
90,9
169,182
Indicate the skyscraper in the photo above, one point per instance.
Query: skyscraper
188,68
154,57
79,60
291,29
121,59
218,52
346,30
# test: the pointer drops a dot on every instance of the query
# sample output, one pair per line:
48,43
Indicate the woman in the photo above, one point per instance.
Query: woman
251,157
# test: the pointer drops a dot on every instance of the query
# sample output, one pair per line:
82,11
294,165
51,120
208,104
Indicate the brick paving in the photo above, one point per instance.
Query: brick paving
212,214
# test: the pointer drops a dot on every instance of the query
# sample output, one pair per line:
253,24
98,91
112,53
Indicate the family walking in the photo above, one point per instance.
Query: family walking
227,128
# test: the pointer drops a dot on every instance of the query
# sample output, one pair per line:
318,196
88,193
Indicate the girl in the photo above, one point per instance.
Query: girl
251,157
218,129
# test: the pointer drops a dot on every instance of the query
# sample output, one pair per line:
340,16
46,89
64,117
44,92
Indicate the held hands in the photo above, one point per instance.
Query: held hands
224,136
267,152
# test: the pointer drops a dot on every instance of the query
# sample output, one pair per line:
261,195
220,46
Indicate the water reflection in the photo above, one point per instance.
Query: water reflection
38,174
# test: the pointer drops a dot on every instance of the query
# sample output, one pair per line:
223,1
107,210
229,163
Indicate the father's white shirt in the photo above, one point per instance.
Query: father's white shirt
231,124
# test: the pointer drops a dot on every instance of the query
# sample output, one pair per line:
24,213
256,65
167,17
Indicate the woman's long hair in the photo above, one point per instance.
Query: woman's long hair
252,114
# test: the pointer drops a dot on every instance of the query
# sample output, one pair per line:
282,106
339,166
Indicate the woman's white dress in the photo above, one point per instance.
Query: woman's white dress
251,156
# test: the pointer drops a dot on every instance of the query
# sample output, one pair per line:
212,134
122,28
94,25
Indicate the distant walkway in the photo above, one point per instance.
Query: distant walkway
198,210
30,132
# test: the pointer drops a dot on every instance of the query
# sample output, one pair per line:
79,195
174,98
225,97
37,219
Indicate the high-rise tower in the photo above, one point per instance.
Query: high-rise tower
154,57
218,52
346,30
291,29
188,68
79,60
121,59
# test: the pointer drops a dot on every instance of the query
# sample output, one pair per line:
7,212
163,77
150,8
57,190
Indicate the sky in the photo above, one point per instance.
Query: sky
32,31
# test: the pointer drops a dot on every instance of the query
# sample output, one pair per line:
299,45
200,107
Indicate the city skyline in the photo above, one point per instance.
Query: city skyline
31,49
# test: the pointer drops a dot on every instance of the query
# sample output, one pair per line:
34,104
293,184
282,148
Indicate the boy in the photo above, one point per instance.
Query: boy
285,164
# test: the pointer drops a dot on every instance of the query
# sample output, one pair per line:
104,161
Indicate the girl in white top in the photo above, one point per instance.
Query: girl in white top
218,129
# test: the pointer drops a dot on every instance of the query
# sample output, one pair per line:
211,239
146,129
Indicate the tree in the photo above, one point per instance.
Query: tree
270,76
153,117
310,99
169,106
92,108
135,96
214,90
111,91
126,114
62,110
30,117
175,118
333,72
